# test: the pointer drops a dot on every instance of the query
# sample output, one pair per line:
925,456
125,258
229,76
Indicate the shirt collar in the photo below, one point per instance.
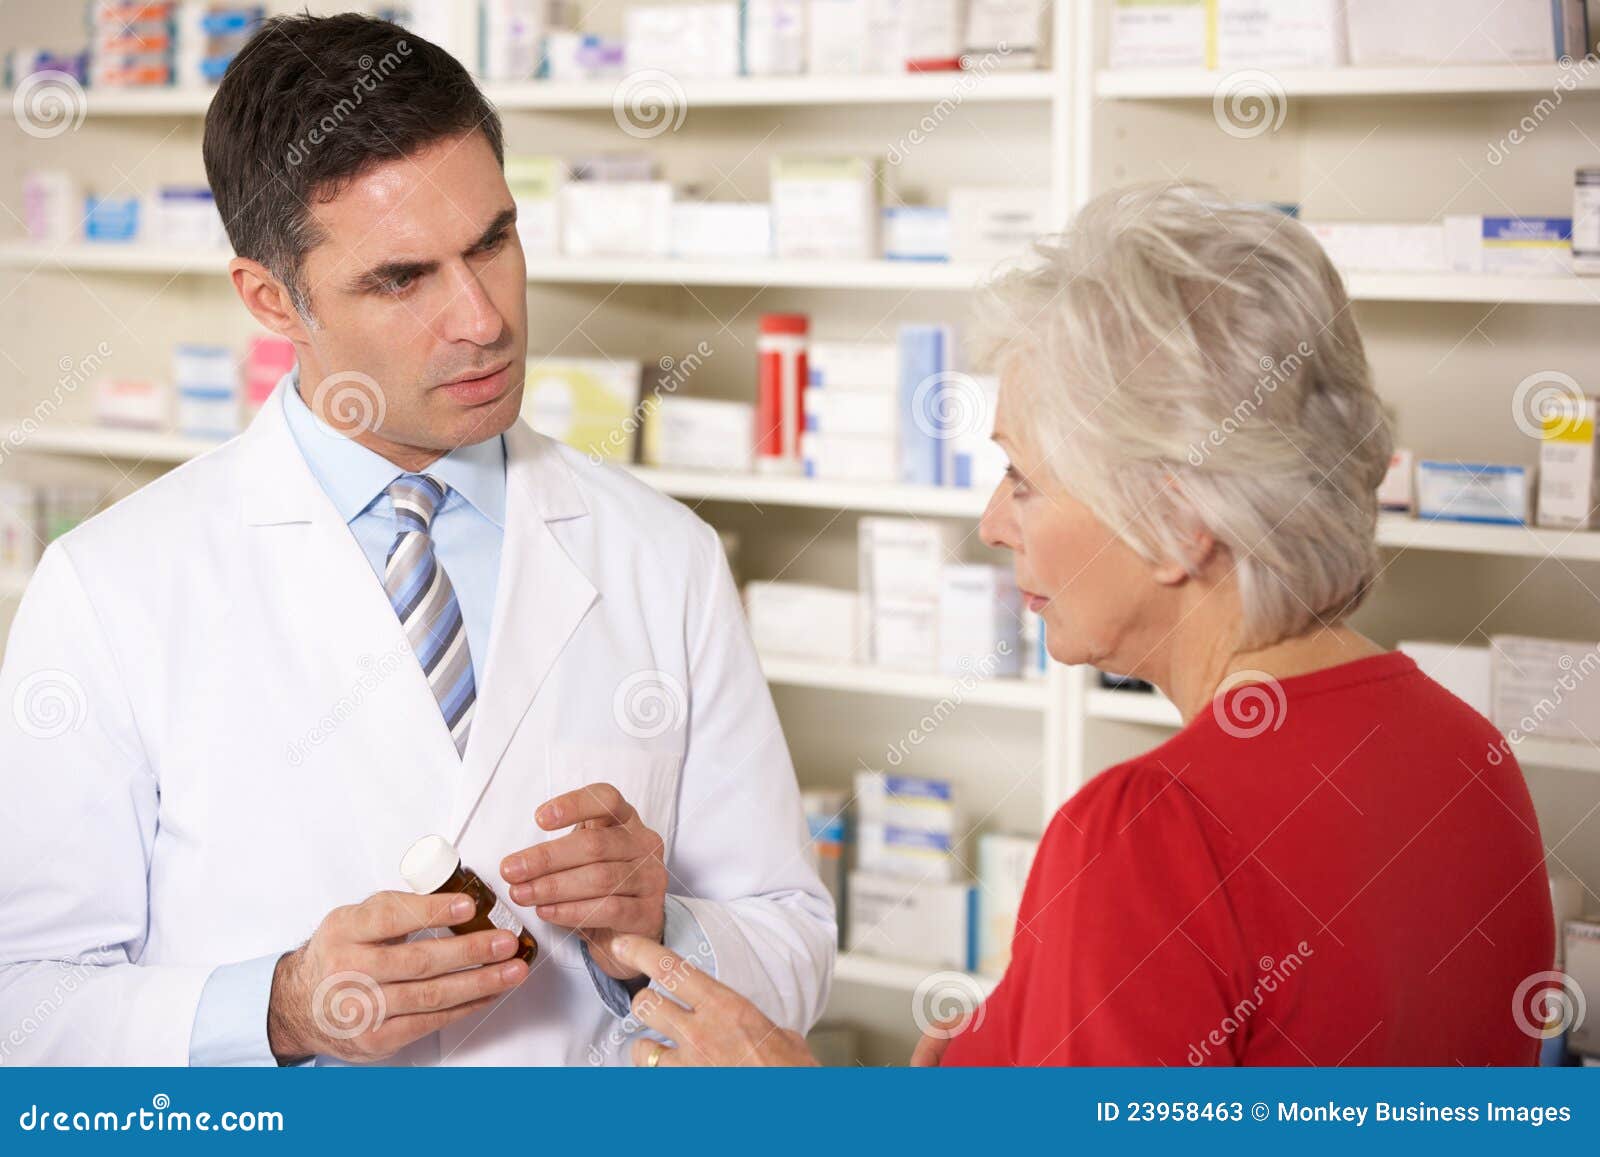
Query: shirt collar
354,476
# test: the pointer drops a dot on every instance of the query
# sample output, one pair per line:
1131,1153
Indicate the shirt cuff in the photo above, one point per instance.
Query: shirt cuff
230,1023
680,932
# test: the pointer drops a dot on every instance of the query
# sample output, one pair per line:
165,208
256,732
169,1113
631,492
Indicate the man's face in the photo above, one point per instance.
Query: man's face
420,287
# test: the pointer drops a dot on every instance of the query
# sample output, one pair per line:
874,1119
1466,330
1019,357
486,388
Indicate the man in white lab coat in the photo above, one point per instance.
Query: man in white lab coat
388,610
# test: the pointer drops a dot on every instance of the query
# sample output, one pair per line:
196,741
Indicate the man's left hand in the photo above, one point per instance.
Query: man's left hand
604,878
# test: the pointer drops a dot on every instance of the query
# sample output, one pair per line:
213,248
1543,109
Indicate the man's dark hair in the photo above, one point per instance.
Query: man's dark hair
308,105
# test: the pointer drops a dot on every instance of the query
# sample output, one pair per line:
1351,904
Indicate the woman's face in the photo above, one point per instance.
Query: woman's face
1100,600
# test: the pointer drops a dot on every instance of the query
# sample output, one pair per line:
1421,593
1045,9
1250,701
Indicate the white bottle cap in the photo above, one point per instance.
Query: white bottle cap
429,864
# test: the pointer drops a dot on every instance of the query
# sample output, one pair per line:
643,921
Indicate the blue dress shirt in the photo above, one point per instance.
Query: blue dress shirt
230,1024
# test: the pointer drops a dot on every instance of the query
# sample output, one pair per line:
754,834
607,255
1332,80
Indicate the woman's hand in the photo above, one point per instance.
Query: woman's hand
717,1028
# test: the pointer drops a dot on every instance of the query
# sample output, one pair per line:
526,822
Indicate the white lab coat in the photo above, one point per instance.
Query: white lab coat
211,735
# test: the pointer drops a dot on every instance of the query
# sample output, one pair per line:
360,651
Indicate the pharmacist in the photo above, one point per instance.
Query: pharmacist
388,610
1335,861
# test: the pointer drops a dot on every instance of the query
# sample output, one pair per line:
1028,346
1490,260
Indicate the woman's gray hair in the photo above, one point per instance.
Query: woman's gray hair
1189,364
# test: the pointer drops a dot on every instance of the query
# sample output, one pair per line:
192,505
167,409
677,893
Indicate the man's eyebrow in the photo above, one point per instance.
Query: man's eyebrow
381,275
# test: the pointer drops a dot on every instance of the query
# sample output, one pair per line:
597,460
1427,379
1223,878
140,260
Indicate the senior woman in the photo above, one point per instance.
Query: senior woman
1324,866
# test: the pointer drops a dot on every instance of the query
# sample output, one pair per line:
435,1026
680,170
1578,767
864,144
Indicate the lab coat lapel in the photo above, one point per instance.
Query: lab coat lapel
542,595
398,766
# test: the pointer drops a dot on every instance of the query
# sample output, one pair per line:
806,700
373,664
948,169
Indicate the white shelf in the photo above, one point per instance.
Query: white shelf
779,490
112,257
1017,694
853,968
1157,711
1031,86
107,442
995,87
909,276
1459,80
1473,288
1397,531
1394,531
1132,707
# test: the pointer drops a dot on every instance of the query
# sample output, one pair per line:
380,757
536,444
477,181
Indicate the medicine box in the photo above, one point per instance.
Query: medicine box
931,392
588,403
832,457
915,233
845,411
616,218
1396,491
907,801
1006,33
1434,32
988,225
929,923
804,620
901,560
1279,34
720,230
1475,492
774,37
683,40
1463,671
1379,247
535,183
1004,862
1545,687
980,615
1513,246
700,434
825,207
970,457
1582,966
853,363
1569,466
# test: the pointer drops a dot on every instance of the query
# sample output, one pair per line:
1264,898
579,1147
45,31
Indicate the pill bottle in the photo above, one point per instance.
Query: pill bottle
433,865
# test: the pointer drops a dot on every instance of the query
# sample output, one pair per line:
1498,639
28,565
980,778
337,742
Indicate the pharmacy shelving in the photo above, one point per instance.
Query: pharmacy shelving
957,690
993,87
1486,81
879,973
899,276
1395,531
906,276
1156,710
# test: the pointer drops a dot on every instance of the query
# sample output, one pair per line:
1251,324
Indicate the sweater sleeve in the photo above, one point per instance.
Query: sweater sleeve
1128,949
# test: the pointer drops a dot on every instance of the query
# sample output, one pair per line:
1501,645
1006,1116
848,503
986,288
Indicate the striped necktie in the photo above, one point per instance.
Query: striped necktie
422,596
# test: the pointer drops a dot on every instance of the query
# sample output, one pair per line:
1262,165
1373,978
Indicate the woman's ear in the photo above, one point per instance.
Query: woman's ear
1199,550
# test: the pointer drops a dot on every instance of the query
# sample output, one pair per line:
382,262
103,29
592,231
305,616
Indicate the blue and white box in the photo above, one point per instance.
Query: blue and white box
1475,492
927,374
1513,246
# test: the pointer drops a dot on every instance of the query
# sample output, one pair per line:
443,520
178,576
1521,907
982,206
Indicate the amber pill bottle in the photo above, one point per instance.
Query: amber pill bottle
433,865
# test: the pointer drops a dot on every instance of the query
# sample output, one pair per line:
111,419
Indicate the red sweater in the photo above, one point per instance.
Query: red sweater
1360,883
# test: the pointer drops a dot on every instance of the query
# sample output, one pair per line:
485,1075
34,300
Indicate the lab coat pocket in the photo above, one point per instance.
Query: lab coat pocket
647,779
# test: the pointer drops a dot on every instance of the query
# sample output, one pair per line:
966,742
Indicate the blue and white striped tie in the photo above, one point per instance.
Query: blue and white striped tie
422,596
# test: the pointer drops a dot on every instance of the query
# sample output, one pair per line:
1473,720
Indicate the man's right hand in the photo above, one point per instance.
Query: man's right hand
359,991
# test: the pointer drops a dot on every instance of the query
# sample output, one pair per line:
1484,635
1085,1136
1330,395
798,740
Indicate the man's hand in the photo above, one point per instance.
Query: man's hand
358,991
604,878
710,1023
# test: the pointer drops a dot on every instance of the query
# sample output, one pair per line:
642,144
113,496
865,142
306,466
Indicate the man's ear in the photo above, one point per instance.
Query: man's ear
266,299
